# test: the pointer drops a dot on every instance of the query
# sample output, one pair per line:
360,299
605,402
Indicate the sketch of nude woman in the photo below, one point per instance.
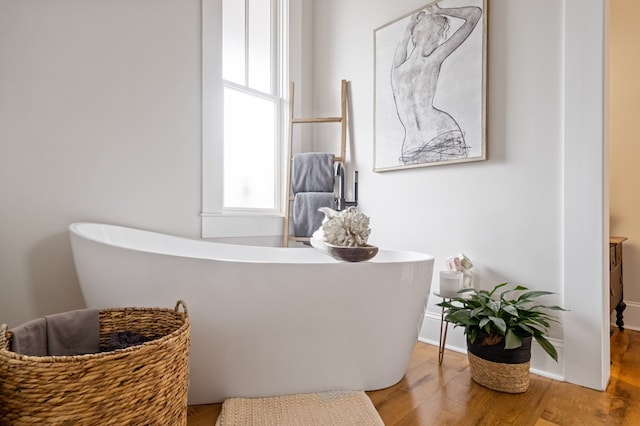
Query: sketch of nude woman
430,134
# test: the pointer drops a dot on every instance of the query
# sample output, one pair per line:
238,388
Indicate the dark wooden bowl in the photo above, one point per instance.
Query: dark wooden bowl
346,254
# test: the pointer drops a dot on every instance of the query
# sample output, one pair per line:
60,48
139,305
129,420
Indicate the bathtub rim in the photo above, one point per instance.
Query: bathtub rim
399,256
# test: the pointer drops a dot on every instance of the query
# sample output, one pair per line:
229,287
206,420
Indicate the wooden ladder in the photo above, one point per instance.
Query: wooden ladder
341,119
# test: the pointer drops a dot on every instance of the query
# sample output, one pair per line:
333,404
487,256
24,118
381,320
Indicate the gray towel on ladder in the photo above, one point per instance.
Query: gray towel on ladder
306,217
312,172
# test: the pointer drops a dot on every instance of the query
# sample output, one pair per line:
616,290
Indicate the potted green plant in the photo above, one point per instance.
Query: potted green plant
499,329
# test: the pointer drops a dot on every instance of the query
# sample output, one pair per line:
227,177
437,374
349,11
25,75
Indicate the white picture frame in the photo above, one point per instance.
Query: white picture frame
430,86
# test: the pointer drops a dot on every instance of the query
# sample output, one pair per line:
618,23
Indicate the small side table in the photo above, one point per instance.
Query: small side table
444,326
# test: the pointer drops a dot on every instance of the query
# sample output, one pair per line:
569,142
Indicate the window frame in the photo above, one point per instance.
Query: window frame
218,221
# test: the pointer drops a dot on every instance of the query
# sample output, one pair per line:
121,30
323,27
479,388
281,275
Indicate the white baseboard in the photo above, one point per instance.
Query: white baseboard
541,363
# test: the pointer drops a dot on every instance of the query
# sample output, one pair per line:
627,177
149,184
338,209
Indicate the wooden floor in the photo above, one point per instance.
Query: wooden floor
430,394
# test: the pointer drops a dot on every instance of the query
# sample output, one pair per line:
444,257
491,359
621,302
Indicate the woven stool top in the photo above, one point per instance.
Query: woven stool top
312,409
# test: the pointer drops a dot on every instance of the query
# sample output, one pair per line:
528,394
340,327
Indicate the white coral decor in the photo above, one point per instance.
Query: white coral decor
348,228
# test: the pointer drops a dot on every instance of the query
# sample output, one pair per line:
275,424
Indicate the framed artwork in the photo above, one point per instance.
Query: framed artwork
429,86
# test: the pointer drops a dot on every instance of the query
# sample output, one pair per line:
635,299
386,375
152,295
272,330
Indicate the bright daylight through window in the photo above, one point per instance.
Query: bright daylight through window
250,75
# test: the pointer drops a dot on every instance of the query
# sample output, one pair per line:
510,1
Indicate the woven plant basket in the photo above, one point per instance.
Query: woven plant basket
503,370
143,384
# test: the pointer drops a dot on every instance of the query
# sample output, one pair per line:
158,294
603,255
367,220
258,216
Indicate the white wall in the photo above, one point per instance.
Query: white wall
506,213
99,121
503,212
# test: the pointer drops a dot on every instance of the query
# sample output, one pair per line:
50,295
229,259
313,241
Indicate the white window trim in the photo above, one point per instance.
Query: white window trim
216,222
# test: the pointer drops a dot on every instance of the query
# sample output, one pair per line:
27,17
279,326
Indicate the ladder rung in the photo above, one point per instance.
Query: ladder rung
318,120
335,159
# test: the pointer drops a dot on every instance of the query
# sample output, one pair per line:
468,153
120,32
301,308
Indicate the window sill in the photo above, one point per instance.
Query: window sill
223,225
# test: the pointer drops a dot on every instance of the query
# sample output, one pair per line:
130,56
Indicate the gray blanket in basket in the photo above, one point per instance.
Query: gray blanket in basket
73,333
30,338
69,333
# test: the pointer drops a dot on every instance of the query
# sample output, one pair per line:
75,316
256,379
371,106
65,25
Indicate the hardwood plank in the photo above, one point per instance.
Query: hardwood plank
433,394
201,415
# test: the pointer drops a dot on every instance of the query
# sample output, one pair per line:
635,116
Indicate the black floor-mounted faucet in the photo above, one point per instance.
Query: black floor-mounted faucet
341,203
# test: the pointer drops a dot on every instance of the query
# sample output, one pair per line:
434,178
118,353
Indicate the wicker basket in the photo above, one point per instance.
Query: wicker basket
144,384
497,368
510,378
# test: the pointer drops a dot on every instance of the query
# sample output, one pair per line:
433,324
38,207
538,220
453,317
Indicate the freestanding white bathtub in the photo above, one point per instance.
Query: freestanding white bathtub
264,321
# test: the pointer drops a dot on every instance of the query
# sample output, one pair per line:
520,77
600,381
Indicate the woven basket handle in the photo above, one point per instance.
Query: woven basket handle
4,340
184,307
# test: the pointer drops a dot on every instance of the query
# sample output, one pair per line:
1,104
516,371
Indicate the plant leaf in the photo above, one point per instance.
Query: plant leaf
499,323
447,304
511,310
511,340
483,322
517,288
476,311
497,287
555,308
547,346
460,317
530,295
526,328
494,305
473,333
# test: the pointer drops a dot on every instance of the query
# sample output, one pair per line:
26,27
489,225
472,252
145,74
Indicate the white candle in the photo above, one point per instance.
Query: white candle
450,283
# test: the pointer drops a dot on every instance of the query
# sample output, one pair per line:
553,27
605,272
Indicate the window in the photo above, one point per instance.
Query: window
251,104
243,143
250,161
